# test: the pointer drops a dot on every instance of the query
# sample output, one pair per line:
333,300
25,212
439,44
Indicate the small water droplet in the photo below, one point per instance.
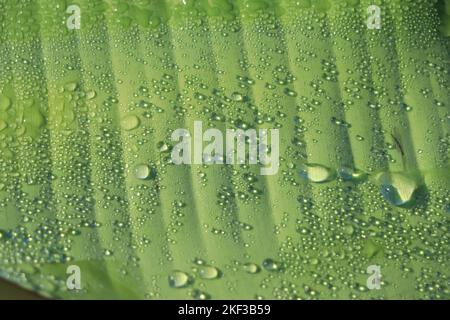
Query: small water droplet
236,96
3,125
200,295
70,86
162,146
5,103
208,272
130,122
251,268
90,95
290,93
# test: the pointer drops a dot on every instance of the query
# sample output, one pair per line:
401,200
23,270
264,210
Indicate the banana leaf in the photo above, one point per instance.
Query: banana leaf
92,205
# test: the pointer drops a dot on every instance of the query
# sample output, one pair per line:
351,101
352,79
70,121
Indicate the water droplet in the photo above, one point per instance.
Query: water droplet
142,171
162,146
317,173
271,265
251,268
90,94
199,96
130,122
349,229
246,226
236,96
290,93
3,125
208,272
350,174
397,188
33,119
5,103
200,295
179,279
70,86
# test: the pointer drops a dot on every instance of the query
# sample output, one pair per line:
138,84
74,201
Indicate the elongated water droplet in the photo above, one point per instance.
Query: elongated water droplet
350,174
3,125
251,268
317,173
236,96
271,265
142,171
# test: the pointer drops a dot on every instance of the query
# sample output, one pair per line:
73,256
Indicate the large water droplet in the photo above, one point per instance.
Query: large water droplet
130,122
200,295
251,268
397,188
179,279
70,86
317,173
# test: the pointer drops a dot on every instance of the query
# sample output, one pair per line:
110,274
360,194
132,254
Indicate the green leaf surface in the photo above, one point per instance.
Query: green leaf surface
87,179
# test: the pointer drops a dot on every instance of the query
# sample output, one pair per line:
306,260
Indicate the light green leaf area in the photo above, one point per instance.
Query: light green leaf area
87,179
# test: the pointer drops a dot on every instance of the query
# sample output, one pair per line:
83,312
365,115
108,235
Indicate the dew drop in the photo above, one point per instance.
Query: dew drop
317,173
251,268
350,174
236,96
5,103
397,188
271,265
130,122
3,125
90,94
200,295
208,272
142,171
179,279
70,86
